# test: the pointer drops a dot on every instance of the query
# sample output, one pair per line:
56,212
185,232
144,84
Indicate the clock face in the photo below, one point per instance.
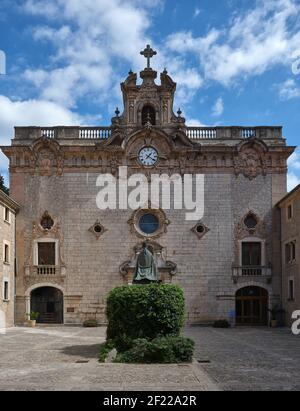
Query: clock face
148,156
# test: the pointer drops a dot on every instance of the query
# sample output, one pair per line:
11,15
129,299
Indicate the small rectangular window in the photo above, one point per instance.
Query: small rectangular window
46,254
251,254
7,214
290,212
287,253
290,252
6,291
6,253
293,251
291,290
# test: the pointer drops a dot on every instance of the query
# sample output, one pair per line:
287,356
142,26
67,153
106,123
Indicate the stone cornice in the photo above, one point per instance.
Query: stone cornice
9,202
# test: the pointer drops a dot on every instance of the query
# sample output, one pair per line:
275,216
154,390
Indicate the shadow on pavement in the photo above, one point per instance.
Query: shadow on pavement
85,351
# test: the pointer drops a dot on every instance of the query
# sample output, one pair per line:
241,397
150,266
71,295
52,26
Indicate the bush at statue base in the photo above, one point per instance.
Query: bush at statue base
144,312
162,350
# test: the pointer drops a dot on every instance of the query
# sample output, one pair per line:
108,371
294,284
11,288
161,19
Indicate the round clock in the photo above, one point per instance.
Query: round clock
148,156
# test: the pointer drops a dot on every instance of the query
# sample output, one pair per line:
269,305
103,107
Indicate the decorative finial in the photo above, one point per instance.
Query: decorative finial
117,112
130,72
165,71
179,112
148,53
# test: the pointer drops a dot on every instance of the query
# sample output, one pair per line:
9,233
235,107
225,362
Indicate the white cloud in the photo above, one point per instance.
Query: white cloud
252,43
192,122
30,113
90,35
289,90
293,181
294,160
294,170
218,107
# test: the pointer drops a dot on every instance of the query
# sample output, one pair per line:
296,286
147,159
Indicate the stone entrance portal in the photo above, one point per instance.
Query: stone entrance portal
48,302
252,306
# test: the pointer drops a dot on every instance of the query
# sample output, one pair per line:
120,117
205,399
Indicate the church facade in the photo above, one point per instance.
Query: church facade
71,253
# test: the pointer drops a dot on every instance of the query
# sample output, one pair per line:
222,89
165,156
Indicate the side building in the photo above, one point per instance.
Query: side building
8,211
290,242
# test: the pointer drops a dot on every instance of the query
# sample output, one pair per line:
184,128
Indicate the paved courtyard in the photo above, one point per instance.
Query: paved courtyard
65,358
249,358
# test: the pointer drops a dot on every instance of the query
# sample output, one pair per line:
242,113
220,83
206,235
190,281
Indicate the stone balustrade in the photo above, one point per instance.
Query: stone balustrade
252,271
103,133
207,133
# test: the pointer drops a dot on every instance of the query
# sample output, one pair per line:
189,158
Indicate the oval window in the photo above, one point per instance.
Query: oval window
149,223
47,223
250,221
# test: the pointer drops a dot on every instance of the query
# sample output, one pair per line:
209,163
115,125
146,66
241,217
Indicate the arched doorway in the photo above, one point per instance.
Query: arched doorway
252,306
48,302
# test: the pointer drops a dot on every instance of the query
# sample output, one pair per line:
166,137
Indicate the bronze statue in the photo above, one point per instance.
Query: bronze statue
146,270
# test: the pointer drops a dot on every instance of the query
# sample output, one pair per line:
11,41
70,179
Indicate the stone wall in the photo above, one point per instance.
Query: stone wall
290,229
7,236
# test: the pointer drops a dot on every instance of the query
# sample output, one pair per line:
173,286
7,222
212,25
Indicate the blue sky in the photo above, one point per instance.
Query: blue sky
236,62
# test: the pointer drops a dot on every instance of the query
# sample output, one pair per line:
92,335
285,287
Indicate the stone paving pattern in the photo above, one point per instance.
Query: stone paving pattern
249,359
65,358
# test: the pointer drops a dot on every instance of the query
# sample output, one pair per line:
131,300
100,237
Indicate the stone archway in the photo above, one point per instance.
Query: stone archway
48,302
252,306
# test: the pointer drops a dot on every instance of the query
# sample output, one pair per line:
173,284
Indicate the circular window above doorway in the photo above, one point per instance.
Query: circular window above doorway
147,223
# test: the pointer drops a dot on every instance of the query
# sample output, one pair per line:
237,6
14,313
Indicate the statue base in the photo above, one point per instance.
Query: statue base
145,282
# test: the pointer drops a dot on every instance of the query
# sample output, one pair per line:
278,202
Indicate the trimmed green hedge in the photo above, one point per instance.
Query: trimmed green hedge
144,311
163,350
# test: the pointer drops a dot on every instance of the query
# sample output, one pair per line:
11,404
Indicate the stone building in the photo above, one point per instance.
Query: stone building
289,208
8,211
71,253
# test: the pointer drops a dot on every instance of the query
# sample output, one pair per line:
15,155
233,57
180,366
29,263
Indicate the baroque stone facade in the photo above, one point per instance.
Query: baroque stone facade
55,171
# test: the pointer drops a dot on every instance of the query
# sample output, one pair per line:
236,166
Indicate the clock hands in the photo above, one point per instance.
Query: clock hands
149,156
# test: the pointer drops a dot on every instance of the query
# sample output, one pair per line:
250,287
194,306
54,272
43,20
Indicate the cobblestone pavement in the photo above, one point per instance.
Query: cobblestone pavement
249,358
65,358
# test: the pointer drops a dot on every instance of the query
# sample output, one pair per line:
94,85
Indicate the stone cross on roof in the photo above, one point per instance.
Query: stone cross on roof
148,53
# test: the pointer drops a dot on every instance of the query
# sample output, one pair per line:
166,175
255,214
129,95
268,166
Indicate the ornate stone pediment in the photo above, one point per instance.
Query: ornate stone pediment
180,139
256,230
48,159
251,159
